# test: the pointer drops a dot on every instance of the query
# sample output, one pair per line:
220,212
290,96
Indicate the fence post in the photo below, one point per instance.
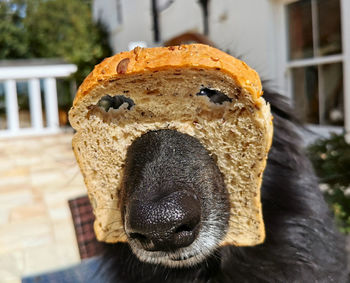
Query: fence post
11,106
35,104
51,104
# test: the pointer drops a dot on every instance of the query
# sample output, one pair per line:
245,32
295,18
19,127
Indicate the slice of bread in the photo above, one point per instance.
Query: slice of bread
174,88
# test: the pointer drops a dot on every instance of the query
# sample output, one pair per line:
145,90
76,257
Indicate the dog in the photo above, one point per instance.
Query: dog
174,220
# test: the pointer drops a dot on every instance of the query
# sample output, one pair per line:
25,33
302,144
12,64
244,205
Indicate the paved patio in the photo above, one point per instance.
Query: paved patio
38,176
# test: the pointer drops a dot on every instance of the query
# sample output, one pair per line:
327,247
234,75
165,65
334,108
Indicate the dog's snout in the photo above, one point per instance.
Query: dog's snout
165,224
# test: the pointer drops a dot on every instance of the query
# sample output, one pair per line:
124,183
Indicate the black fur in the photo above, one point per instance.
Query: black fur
301,244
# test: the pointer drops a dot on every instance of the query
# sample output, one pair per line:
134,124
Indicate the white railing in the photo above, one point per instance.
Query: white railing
33,73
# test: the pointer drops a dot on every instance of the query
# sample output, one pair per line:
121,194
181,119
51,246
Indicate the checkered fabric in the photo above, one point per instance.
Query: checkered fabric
83,219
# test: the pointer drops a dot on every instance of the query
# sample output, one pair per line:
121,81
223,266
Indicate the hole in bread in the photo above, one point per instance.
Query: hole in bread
214,157
115,102
214,95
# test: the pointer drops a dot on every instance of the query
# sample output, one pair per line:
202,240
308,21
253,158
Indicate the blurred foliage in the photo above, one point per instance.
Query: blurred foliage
13,37
331,160
51,29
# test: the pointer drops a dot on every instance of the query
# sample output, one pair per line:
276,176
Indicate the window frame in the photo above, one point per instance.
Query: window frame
285,66
316,61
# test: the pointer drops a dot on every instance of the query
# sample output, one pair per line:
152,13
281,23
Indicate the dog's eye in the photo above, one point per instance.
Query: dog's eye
107,102
214,95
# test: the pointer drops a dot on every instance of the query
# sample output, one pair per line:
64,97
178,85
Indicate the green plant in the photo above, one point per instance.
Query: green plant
53,29
331,160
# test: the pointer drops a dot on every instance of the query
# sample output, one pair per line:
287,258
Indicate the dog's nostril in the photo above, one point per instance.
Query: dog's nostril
145,241
138,236
169,223
185,234
183,228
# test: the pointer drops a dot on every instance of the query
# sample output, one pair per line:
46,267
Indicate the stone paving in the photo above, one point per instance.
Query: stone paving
38,176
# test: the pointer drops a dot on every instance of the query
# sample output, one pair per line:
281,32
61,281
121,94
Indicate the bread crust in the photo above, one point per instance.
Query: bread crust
198,56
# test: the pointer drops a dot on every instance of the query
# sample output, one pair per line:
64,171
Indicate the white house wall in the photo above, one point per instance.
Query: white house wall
180,17
245,28
136,22
106,12
242,27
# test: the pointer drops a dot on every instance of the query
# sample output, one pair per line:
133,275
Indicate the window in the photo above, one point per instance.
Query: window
315,60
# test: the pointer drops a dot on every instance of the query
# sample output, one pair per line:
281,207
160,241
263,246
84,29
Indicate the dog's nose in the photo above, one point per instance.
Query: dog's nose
165,224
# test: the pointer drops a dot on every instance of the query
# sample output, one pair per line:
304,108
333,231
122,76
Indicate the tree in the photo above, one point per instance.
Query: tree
53,28
12,34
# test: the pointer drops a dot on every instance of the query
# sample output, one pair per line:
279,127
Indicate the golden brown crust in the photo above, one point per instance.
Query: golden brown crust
199,56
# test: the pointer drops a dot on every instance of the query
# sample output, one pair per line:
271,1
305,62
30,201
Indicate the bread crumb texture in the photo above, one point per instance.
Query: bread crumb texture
163,84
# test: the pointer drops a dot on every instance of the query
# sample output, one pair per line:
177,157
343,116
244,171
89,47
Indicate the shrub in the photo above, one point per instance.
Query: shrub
331,160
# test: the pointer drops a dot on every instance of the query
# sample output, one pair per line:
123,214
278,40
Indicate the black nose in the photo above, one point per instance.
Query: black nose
164,224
